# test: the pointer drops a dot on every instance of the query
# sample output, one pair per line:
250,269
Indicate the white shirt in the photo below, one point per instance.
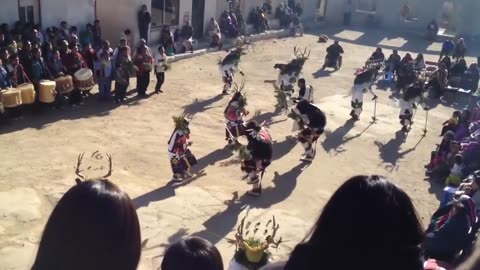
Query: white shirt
100,52
160,61
228,69
457,169
357,91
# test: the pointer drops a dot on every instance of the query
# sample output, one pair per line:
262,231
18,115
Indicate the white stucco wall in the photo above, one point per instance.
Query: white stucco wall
210,11
75,12
9,11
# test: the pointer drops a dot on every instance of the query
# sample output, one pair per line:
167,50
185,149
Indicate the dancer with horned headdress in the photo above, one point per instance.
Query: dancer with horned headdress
312,122
412,96
364,79
230,64
235,113
256,156
289,73
181,158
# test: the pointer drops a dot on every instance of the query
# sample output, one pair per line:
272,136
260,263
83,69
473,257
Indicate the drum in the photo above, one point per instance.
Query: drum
64,84
28,93
84,79
11,98
47,91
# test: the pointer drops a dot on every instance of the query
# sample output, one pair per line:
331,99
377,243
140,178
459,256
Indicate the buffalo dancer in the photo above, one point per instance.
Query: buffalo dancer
181,158
230,64
362,83
235,113
312,122
412,95
257,157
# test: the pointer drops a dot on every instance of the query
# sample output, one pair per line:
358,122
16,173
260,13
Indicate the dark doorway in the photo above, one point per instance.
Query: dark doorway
198,17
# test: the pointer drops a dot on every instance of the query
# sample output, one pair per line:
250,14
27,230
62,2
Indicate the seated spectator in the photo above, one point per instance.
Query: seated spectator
296,26
94,226
213,31
419,62
368,223
187,31
448,231
230,30
56,65
470,187
442,164
233,18
442,150
47,51
4,78
393,62
192,253
16,72
460,49
472,77
378,55
439,80
39,69
458,69
223,20
64,31
170,47
452,123
5,55
258,20
166,35
456,172
463,124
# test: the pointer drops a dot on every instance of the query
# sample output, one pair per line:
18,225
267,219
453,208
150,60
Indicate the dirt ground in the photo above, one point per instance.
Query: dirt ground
39,152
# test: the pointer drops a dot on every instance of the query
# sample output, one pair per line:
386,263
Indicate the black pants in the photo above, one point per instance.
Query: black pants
160,80
143,80
436,87
144,33
120,91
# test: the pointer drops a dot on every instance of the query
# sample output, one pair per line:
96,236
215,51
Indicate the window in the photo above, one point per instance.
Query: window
165,12
367,5
27,11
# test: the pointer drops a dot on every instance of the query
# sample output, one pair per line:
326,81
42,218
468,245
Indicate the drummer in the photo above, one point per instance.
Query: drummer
56,66
39,69
73,63
16,71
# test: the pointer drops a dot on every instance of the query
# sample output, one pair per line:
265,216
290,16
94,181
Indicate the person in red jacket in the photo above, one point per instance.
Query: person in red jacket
74,62
144,62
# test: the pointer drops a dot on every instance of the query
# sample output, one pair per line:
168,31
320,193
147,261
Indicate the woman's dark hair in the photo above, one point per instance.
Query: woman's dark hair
368,223
94,226
192,253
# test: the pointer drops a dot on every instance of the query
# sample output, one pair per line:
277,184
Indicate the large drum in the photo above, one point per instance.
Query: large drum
84,79
47,91
64,84
11,98
28,93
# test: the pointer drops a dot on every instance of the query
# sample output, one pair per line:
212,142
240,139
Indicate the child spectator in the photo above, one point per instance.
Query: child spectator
192,253
104,75
160,64
456,173
451,123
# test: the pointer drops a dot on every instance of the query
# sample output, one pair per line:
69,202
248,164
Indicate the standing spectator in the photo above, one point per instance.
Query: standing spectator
64,34
89,55
447,48
267,7
122,74
101,226
291,4
347,12
4,78
144,20
460,49
160,62
105,48
213,31
299,10
86,36
143,61
127,34
432,30
122,44
104,75
368,220
97,35
26,57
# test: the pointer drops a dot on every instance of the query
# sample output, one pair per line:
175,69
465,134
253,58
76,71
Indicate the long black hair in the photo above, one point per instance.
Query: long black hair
368,223
192,253
94,226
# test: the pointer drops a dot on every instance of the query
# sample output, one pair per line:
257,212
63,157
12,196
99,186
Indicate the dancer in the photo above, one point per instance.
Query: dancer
312,122
229,64
257,156
305,92
362,83
181,158
290,72
412,95
234,115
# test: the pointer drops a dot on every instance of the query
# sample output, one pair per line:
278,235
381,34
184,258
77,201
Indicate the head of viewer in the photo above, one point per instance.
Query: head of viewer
94,226
192,253
368,220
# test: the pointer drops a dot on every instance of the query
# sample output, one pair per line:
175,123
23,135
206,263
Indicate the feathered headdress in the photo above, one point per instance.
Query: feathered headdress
181,122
